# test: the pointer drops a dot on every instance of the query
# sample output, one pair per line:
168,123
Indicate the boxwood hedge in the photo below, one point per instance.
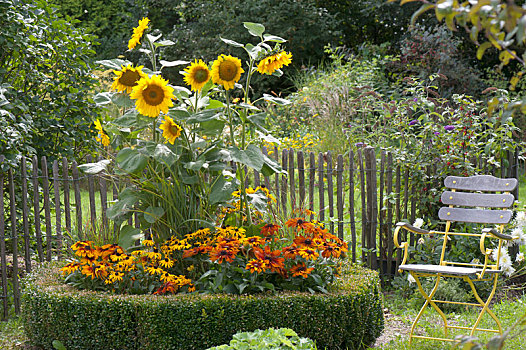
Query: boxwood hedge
349,317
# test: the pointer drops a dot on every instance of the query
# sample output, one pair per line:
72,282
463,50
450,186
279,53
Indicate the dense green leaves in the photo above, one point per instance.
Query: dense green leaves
45,83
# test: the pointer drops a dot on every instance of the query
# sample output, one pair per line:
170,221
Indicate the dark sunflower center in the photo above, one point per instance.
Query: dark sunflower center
299,222
153,95
227,70
174,130
129,78
223,253
308,241
201,76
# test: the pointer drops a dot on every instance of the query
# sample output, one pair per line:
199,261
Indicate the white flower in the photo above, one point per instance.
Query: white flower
520,257
421,240
411,279
418,223
521,219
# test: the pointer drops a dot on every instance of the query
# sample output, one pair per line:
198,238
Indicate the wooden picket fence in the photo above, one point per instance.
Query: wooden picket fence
359,197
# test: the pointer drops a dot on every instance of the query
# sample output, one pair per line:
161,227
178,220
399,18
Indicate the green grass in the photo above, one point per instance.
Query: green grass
12,334
431,324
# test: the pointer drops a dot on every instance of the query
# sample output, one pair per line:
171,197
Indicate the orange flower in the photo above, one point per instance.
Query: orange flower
331,249
290,252
256,265
308,253
81,244
269,229
301,270
306,242
168,287
69,268
299,223
253,241
221,254
272,258
89,271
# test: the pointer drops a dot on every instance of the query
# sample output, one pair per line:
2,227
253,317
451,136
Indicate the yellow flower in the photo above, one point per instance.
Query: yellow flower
153,96
270,64
102,137
197,74
138,32
127,78
226,71
153,270
148,242
170,129
166,263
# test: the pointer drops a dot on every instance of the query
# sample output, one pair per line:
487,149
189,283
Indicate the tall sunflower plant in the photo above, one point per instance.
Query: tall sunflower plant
178,154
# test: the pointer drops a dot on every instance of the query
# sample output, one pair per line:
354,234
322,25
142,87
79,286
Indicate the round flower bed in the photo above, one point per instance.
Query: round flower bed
348,316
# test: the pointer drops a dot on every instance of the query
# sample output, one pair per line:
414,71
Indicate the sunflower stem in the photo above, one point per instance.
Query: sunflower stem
154,132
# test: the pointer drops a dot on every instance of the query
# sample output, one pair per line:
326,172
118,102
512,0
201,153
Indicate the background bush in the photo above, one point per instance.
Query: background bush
350,316
45,83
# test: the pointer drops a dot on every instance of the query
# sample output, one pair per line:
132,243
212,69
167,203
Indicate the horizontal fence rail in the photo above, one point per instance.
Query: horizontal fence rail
359,197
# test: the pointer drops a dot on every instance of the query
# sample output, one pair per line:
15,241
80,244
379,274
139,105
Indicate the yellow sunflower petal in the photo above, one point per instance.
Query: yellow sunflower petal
171,130
197,75
127,78
153,96
138,33
226,71
270,64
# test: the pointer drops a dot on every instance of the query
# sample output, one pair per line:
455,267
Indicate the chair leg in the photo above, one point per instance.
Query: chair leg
426,304
485,304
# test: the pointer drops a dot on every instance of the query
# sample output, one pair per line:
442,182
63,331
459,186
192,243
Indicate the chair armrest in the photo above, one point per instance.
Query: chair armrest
411,228
497,234
405,245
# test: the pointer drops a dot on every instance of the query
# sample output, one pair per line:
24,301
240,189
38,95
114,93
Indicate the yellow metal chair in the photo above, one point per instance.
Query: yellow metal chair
488,198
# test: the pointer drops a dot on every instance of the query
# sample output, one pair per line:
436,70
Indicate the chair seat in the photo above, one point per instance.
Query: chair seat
446,270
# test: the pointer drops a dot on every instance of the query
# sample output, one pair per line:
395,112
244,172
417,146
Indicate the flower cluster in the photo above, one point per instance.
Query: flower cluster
300,256
307,142
109,267
261,194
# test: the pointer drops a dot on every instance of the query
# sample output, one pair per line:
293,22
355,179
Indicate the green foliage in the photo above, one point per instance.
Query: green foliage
428,50
307,27
282,338
110,21
351,316
45,83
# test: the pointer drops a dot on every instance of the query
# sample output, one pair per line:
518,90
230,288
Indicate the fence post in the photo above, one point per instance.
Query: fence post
65,184
321,189
47,207
301,179
292,182
14,234
78,201
372,205
330,191
58,214
339,194
36,207
351,204
3,258
284,163
25,213
362,197
312,175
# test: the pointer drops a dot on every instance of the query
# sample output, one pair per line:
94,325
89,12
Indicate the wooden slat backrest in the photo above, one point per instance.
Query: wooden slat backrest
479,183
486,200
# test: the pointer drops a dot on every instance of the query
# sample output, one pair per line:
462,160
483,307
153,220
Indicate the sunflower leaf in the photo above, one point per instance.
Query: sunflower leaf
122,100
273,38
131,161
115,63
221,190
164,43
152,214
152,38
276,100
95,168
128,235
173,63
231,42
255,29
251,157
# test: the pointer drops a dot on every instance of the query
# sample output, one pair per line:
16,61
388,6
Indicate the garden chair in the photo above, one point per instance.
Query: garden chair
489,197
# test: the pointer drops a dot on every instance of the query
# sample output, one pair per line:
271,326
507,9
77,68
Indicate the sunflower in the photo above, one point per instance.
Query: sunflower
138,32
170,129
301,270
127,78
270,64
226,71
197,74
153,96
101,137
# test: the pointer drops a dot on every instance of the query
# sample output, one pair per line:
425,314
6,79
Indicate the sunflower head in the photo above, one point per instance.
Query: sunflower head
197,75
226,71
138,32
101,137
276,61
153,96
171,130
127,78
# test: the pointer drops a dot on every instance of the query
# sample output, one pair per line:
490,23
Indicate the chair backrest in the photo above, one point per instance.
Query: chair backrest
482,193
480,199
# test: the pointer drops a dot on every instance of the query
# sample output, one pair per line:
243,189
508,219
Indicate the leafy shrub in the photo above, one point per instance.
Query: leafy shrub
430,50
282,338
350,316
45,83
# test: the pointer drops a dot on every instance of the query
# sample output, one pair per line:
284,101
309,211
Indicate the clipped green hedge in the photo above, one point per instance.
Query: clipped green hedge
350,317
